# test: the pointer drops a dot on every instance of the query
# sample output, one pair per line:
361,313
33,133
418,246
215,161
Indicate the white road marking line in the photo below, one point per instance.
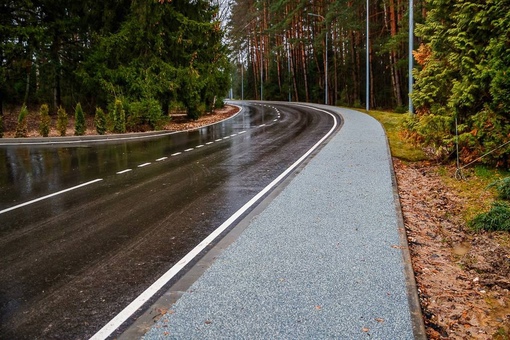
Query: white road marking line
118,320
123,171
161,159
242,132
227,137
262,125
218,140
209,143
188,150
275,120
199,146
175,154
143,165
235,134
49,196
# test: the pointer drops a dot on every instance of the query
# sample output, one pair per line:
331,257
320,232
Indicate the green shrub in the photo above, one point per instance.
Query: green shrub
145,114
79,124
401,109
44,125
119,117
503,188
496,219
21,128
62,121
220,103
100,121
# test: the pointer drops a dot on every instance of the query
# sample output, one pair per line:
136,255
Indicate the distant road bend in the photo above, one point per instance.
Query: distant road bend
86,228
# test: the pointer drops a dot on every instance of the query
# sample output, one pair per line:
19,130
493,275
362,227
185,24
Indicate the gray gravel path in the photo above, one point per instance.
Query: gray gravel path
323,260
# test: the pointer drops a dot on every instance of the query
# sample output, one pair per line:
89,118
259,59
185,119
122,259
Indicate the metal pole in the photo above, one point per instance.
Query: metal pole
261,70
368,62
326,75
411,57
288,68
242,80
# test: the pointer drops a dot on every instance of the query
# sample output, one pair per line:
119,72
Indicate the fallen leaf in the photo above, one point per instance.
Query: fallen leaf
365,329
379,320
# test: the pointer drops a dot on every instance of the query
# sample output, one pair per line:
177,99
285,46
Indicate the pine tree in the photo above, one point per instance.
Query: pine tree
62,121
100,121
119,117
21,128
44,126
79,126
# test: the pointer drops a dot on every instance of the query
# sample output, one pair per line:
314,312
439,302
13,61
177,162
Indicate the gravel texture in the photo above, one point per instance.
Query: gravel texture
323,260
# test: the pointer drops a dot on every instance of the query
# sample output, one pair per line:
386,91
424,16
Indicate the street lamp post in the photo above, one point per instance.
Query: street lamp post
261,70
411,41
326,67
367,95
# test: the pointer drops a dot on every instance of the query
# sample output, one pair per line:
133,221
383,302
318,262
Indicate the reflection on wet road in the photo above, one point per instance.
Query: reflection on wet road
73,260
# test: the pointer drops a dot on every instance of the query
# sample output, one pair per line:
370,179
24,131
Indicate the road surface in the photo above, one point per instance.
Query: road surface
71,260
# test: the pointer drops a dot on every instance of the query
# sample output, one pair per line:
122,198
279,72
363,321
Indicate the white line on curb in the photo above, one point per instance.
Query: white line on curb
188,150
176,154
118,320
143,165
123,171
161,159
49,196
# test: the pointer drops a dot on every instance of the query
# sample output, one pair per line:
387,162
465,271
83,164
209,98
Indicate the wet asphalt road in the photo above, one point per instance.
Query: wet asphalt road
71,262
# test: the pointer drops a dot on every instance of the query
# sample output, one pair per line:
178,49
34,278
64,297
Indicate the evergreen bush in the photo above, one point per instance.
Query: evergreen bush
496,219
79,124
44,125
145,114
503,188
62,121
119,117
100,121
21,128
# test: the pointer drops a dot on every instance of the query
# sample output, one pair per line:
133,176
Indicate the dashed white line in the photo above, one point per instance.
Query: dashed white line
262,125
227,137
176,154
199,146
188,150
275,120
242,132
49,196
218,140
123,171
209,143
143,165
161,159
235,134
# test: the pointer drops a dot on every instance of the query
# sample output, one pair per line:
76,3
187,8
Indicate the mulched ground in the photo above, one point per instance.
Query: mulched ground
178,122
462,276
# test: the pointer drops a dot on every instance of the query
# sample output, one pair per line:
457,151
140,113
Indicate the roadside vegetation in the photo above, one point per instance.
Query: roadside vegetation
457,228
149,56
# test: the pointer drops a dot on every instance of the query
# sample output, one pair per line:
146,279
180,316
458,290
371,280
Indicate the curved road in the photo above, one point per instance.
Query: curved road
72,261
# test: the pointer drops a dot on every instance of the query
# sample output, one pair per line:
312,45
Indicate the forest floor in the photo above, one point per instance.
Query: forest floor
463,277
